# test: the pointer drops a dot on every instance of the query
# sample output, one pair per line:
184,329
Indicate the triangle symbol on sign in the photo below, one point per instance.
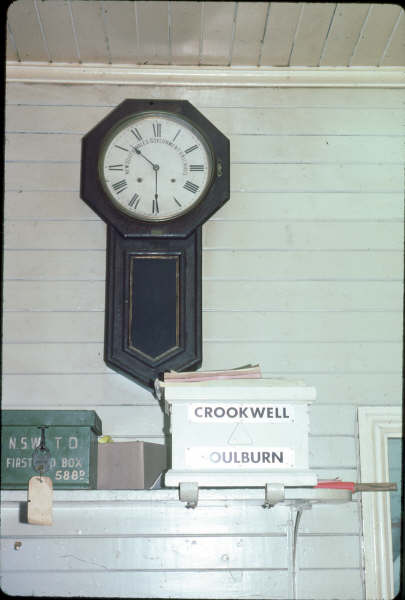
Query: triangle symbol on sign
240,436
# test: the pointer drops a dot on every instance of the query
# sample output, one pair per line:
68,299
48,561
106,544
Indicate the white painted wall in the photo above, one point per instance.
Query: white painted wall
302,273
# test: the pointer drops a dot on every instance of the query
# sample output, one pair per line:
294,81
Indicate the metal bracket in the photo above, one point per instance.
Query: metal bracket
188,493
273,493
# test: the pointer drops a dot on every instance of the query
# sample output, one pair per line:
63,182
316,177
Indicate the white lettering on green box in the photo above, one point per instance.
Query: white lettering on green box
70,436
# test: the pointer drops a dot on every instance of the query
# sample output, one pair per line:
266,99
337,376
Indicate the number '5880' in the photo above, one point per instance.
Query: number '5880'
69,475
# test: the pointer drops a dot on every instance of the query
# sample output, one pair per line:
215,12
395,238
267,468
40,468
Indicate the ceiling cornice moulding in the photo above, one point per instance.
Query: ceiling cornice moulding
69,73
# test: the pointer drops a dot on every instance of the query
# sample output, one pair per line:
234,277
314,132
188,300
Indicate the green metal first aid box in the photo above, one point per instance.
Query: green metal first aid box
70,436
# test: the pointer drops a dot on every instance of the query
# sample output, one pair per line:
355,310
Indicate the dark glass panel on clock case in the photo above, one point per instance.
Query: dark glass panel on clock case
153,305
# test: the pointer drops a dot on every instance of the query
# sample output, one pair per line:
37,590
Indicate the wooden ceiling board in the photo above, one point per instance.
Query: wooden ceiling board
57,24
165,32
375,34
311,34
395,51
344,33
249,30
11,48
26,30
152,21
120,25
217,32
185,32
280,31
89,28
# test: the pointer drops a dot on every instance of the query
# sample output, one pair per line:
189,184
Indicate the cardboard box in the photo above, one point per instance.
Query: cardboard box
130,465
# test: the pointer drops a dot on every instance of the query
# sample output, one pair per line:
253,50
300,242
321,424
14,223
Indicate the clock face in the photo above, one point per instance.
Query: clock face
155,166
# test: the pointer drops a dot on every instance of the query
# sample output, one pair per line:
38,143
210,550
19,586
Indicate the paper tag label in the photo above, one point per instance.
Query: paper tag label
204,412
40,495
239,457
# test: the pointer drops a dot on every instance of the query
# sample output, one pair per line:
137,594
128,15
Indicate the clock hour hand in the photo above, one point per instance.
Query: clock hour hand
146,158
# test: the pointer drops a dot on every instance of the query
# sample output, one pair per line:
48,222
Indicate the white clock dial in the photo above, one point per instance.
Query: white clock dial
155,166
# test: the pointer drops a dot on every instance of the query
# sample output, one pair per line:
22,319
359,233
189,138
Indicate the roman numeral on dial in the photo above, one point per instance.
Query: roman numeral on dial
116,167
136,134
119,186
134,201
157,129
196,167
191,149
191,187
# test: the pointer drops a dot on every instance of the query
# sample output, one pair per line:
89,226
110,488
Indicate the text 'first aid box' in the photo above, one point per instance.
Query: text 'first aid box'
246,432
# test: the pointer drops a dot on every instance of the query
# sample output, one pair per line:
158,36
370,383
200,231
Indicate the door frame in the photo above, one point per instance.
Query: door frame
376,425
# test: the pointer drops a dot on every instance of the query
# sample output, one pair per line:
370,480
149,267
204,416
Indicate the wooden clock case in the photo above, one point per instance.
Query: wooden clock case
153,272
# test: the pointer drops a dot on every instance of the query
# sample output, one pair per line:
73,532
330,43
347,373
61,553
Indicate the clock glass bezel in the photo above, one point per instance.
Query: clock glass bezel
130,121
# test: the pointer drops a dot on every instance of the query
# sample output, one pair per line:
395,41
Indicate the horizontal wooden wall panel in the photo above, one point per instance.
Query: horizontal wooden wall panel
318,583
247,120
37,205
153,553
219,295
285,357
254,265
332,451
246,178
142,420
74,390
195,584
302,235
190,584
238,235
46,295
300,264
239,518
270,326
85,96
249,148
137,554
315,206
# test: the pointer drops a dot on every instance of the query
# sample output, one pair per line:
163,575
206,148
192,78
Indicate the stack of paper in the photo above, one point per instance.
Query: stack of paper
245,372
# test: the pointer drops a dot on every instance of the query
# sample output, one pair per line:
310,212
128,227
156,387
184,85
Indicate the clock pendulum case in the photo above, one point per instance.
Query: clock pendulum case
154,171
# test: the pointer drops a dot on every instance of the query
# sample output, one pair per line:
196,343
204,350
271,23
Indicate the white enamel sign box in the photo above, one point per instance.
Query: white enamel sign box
248,432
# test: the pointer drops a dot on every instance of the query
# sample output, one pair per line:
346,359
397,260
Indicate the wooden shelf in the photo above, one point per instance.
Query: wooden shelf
251,495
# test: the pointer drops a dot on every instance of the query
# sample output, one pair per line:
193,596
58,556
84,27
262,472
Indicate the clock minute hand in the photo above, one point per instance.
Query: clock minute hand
155,204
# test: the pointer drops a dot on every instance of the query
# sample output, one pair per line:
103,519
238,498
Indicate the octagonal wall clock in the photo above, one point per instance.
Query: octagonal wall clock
154,171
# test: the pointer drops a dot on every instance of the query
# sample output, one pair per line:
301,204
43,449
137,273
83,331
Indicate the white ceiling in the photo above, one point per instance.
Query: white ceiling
257,34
